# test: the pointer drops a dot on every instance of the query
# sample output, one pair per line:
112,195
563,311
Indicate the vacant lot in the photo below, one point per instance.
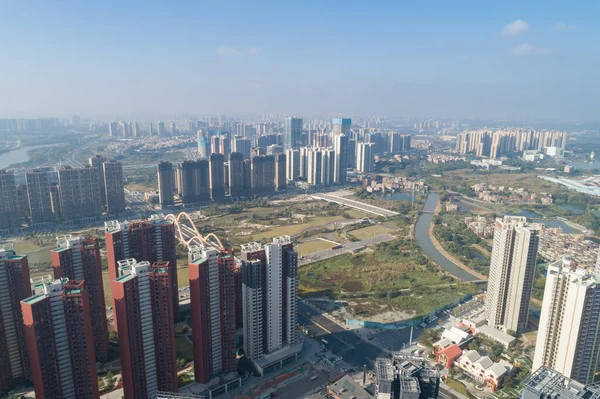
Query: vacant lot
395,276
370,231
308,247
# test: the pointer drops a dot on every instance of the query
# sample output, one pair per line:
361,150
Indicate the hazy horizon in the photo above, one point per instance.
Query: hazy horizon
474,60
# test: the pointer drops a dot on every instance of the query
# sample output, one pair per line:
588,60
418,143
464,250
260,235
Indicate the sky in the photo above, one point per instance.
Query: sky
470,59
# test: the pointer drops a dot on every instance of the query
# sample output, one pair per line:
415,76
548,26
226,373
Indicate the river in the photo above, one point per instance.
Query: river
19,155
424,241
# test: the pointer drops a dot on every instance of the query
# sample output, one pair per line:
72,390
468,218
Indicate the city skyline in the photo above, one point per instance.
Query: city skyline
447,60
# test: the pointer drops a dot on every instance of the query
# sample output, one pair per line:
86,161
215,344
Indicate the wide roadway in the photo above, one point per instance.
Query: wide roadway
340,341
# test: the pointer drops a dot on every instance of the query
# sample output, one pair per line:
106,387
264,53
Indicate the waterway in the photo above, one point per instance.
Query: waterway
19,155
581,165
424,241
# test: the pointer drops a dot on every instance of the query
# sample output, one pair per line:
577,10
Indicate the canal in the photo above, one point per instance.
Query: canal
424,241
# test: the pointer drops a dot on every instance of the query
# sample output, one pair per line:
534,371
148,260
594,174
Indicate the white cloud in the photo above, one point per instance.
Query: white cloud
237,51
254,86
563,27
515,28
528,49
254,50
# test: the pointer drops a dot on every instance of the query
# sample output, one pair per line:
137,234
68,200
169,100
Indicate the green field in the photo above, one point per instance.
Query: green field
184,347
308,247
395,276
370,231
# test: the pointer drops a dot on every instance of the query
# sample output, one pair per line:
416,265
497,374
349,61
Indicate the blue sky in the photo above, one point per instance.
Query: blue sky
512,59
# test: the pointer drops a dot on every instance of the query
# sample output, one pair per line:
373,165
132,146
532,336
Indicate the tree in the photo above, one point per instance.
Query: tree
508,382
473,346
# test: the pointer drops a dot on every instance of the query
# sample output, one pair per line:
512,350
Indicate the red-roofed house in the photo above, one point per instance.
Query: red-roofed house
448,355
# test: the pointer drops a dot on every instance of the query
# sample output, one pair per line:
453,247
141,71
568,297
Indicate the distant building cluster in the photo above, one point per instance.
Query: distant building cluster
508,195
436,158
67,194
244,164
497,143
392,184
481,226
30,125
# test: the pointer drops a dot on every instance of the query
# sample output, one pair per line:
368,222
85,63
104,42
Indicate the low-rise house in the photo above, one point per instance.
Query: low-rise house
483,370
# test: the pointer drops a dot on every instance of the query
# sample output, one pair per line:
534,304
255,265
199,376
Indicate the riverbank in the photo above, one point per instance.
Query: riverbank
424,239
450,257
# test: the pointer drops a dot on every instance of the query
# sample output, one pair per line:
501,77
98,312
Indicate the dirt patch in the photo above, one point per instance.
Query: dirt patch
352,286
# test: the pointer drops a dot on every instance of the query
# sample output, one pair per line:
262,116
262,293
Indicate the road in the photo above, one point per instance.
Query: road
372,209
342,342
346,248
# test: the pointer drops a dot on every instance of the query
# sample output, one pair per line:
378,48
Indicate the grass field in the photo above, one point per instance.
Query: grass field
370,231
183,346
293,229
459,387
311,246
396,276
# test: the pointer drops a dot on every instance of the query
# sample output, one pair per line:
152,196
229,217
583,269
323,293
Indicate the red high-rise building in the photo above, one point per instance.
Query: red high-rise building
212,297
151,240
58,334
144,316
78,258
14,287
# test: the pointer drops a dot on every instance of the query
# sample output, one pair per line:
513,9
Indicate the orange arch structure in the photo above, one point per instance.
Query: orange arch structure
198,238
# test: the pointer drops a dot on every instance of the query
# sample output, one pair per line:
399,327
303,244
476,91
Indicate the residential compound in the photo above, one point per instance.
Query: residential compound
77,258
213,319
497,143
64,195
151,240
512,271
146,328
568,339
269,301
14,287
59,340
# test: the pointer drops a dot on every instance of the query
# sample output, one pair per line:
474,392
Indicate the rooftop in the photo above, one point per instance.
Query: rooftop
346,387
34,299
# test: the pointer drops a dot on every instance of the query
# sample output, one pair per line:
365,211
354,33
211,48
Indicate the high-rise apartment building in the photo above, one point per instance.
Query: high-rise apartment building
160,129
10,215
280,172
212,296
241,145
263,174
79,193
96,163
151,240
78,258
512,271
166,184
292,164
292,135
341,125
236,174
38,195
269,294
14,287
340,145
203,144
146,328
58,335
351,153
113,129
193,181
364,157
217,176
112,172
568,339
